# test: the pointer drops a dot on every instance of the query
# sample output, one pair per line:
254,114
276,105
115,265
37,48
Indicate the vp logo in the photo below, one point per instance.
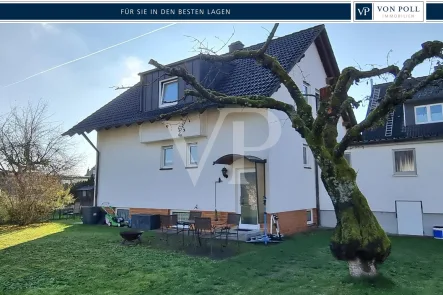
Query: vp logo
363,11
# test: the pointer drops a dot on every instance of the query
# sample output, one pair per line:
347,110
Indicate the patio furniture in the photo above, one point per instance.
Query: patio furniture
192,216
204,229
231,227
145,221
185,224
76,210
168,225
131,236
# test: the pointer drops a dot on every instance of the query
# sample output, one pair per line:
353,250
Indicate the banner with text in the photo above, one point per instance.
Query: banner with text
357,11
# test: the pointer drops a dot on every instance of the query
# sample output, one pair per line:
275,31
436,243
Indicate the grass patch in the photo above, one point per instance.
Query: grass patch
15,235
80,259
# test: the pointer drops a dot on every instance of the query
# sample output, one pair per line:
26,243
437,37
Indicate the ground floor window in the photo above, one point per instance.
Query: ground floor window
309,216
404,162
182,215
122,212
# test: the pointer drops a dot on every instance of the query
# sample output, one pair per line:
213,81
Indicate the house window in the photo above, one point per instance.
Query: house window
123,213
168,92
182,215
429,113
84,193
348,158
192,155
306,91
317,99
167,157
404,162
306,162
309,217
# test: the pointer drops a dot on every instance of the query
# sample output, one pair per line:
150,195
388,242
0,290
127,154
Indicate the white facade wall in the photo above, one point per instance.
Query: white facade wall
375,176
374,165
130,157
292,186
130,174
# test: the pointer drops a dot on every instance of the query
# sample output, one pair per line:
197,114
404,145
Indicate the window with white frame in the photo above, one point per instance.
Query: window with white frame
122,212
167,157
182,215
425,114
168,92
348,158
192,155
306,161
404,162
306,91
309,217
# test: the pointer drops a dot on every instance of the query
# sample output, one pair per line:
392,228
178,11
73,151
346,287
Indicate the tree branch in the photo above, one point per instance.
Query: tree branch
269,40
396,94
304,110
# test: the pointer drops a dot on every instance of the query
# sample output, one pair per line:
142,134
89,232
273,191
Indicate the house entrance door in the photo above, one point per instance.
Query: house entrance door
247,192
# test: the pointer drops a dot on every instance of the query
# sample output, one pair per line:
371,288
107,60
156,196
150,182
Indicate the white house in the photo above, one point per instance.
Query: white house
399,166
160,155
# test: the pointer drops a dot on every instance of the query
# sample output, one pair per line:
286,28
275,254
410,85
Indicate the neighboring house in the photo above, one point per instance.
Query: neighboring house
400,165
151,166
85,195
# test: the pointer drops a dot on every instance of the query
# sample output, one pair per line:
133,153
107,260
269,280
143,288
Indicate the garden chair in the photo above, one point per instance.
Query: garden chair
168,225
76,210
192,216
231,227
204,229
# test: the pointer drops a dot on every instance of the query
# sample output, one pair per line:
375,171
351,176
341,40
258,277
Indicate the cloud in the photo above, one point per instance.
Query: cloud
50,28
132,65
44,28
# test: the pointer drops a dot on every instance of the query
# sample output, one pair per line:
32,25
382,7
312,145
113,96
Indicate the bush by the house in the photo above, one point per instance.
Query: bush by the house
31,197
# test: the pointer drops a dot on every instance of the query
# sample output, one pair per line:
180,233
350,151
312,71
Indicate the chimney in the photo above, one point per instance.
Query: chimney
237,45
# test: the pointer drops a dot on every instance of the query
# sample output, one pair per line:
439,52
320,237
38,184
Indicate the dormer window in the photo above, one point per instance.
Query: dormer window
168,92
432,113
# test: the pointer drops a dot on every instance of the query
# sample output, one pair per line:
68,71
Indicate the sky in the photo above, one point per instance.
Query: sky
77,89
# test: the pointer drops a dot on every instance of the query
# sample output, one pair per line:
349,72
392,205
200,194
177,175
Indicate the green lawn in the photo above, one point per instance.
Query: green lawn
59,258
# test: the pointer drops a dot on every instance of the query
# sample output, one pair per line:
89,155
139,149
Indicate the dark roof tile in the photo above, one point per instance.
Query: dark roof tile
246,78
400,131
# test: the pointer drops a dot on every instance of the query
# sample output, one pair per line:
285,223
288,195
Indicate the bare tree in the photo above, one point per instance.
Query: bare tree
358,238
30,142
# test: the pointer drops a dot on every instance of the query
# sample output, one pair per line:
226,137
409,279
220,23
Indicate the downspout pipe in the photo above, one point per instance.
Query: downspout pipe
317,193
97,162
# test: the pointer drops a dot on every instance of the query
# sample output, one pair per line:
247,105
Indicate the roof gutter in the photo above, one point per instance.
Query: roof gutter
97,165
396,140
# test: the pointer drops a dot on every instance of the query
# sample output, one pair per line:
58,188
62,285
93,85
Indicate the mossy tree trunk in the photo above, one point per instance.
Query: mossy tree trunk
358,238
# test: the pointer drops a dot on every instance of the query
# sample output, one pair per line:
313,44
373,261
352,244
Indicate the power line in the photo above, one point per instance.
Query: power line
88,55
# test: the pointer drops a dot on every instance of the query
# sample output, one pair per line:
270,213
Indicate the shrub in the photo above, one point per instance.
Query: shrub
31,197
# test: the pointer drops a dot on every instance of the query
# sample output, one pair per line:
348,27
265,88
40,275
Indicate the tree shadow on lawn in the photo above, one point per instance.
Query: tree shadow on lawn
381,282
